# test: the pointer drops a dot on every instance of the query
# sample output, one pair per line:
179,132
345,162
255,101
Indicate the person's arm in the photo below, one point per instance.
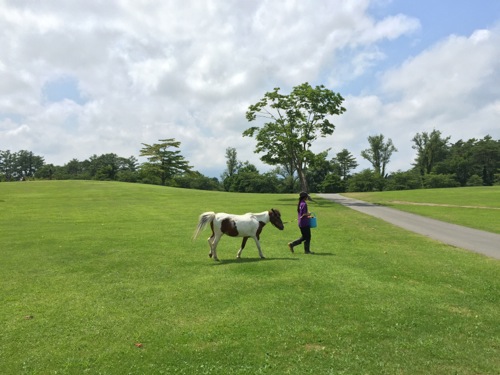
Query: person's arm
304,211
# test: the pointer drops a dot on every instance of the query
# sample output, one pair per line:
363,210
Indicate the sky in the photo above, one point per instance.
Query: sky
82,78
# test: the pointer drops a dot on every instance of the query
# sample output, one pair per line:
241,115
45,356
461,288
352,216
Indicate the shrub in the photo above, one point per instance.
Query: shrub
408,180
332,184
432,181
475,180
364,181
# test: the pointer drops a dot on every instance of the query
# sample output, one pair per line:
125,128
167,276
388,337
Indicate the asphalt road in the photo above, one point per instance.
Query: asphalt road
455,235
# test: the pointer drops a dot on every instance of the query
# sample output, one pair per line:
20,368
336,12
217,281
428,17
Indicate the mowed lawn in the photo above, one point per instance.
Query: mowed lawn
103,278
475,207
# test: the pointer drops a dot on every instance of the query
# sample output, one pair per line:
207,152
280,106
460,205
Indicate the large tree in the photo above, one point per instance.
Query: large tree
379,154
319,169
460,162
233,166
487,158
346,162
8,165
431,149
293,123
232,163
164,161
28,163
21,164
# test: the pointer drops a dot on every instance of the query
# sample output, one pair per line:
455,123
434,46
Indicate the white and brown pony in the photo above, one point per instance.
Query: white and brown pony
247,226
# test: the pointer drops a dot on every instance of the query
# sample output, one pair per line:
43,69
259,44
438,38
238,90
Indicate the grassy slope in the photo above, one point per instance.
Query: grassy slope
102,266
475,207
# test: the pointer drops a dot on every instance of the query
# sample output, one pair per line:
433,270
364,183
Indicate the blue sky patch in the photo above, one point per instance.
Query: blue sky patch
14,117
63,88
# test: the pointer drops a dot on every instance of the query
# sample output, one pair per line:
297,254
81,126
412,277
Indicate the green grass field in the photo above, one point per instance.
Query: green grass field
474,207
103,278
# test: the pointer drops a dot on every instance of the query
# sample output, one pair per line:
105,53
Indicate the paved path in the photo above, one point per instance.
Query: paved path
466,238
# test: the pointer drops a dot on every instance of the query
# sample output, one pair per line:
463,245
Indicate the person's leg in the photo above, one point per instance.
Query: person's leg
296,242
306,235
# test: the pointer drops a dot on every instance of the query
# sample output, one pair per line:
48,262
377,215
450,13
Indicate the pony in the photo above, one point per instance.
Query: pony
246,226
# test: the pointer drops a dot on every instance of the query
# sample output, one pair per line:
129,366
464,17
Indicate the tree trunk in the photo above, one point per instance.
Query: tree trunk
303,181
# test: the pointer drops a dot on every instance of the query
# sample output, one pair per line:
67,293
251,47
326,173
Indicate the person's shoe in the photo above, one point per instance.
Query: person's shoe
290,246
309,252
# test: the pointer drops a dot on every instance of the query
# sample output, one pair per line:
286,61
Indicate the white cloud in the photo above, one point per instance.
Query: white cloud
152,70
452,87
392,28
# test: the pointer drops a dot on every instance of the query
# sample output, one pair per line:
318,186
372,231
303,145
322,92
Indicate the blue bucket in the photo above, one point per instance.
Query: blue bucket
313,223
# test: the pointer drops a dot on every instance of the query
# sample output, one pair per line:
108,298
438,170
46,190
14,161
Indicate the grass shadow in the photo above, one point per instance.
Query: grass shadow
248,260
317,200
324,254
315,253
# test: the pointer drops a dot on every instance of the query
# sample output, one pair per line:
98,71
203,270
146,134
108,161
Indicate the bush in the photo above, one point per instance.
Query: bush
433,181
332,184
496,180
196,181
127,176
408,180
363,181
474,180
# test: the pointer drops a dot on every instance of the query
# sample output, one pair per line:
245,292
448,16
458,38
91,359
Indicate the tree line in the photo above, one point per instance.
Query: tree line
289,125
439,163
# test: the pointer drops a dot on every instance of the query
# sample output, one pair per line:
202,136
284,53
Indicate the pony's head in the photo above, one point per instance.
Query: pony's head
275,219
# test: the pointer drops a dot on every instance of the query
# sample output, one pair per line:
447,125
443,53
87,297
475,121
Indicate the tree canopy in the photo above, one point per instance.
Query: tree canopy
166,162
345,162
475,162
379,153
431,149
293,123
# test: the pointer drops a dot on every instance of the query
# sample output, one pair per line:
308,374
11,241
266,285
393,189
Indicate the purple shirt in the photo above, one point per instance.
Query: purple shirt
303,221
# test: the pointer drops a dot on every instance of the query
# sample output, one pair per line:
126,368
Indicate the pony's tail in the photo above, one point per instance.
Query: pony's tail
205,218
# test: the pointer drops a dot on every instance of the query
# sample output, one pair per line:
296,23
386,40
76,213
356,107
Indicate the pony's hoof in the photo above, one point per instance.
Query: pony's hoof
210,255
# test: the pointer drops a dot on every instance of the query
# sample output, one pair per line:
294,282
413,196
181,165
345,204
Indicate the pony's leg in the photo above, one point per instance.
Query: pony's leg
214,247
210,243
257,242
243,243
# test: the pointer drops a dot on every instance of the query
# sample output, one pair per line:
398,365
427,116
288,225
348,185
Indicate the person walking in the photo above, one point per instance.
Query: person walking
304,226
